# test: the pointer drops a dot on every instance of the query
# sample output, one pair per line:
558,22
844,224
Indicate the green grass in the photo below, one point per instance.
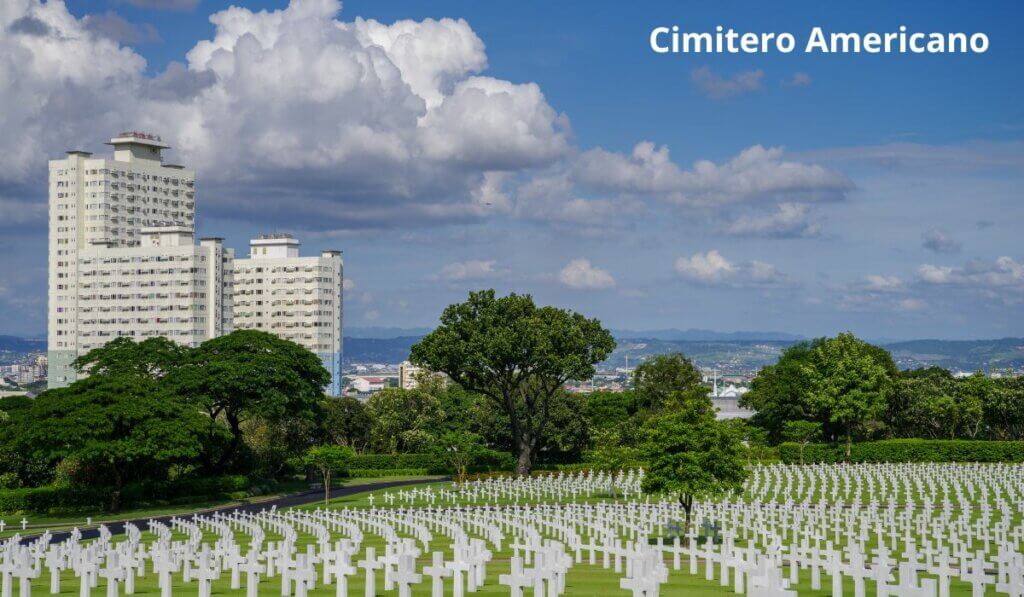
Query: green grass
38,524
582,579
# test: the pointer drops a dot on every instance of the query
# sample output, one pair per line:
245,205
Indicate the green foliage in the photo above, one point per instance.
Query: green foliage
52,499
346,422
849,382
691,455
517,354
328,460
660,379
121,425
802,433
395,412
243,375
369,473
458,449
908,450
152,358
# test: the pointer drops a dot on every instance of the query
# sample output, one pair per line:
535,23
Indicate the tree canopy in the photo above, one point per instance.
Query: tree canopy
517,354
691,455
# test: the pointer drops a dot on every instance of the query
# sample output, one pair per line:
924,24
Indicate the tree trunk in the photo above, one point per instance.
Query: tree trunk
801,453
524,461
115,496
327,488
849,444
687,503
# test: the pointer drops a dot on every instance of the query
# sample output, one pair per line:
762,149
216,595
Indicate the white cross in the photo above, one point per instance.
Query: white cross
406,575
437,573
370,565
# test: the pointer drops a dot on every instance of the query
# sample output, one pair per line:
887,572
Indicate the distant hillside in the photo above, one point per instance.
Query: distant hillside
384,333
699,335
15,344
966,355
378,350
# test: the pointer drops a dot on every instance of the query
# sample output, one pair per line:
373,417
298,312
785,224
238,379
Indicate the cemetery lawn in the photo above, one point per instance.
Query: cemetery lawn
40,523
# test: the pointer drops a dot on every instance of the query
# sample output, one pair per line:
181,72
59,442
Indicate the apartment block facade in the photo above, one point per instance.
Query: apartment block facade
296,298
101,203
123,262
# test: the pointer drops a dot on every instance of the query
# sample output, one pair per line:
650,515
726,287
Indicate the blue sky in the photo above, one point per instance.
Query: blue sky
542,147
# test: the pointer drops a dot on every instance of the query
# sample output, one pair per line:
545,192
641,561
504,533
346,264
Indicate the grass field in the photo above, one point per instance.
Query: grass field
582,579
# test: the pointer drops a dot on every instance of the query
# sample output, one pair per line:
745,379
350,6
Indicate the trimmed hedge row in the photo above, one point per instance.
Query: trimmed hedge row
908,450
428,462
55,500
365,473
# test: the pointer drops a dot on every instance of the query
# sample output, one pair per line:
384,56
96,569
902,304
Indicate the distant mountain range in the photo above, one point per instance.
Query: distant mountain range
730,352
699,335
16,344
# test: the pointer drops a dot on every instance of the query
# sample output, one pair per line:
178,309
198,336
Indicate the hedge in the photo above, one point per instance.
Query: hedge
501,461
365,473
908,450
55,500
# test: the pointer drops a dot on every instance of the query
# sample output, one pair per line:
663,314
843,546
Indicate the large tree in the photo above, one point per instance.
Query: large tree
346,422
779,392
248,374
849,382
517,354
400,417
660,379
153,358
690,454
120,425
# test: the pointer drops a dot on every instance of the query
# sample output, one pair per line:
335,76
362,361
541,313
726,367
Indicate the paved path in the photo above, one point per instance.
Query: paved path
287,501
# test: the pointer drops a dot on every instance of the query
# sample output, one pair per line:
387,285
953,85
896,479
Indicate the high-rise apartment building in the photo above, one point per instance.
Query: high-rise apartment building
104,202
167,286
296,298
123,262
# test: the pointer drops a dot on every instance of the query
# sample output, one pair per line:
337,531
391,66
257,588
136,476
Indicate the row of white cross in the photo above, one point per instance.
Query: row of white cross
915,542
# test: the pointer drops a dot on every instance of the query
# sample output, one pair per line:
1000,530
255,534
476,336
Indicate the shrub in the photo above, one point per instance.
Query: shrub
909,450
364,473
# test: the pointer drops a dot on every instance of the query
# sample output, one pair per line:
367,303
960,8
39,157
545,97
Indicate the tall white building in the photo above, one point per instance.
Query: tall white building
98,203
168,286
296,298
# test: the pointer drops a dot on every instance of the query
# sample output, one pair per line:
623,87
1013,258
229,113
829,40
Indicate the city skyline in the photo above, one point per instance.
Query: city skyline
798,194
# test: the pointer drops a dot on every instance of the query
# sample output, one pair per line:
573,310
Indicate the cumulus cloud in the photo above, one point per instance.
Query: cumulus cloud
711,268
1003,273
789,220
879,283
715,86
938,240
395,119
473,269
580,274
755,173
113,26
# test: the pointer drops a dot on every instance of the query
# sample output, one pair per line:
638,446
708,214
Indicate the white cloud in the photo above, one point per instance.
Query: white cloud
114,26
789,220
911,304
755,173
470,270
581,275
879,283
716,86
711,268
1004,272
393,118
799,79
348,284
938,240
